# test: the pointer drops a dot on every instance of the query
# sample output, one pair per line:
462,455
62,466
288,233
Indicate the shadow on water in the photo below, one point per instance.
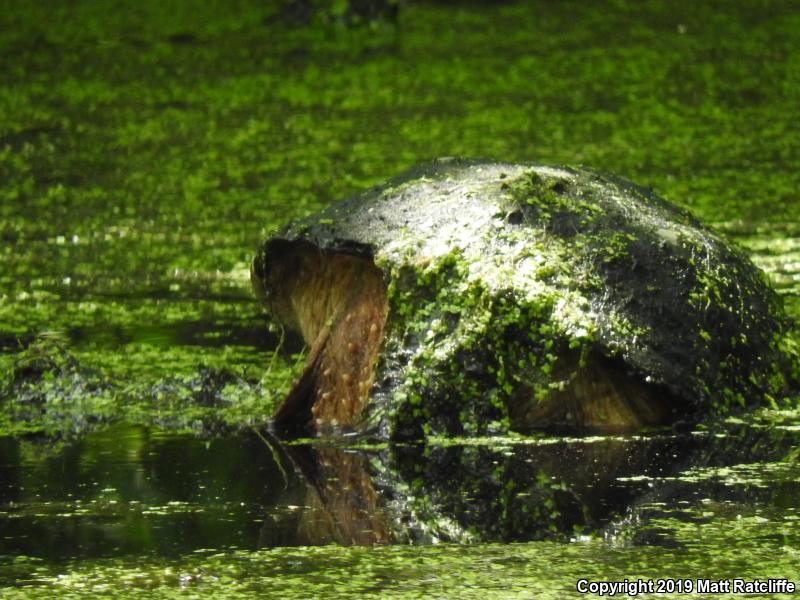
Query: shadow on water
131,491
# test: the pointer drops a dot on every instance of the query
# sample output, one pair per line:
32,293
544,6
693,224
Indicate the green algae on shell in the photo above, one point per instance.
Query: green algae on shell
466,297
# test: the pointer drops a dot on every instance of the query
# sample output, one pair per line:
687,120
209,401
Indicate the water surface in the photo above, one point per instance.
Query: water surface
164,512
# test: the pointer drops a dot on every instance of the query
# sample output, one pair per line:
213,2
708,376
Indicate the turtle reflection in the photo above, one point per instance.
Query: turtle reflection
129,490
333,501
546,489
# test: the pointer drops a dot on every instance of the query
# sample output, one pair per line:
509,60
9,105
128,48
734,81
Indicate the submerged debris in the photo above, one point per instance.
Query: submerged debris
47,390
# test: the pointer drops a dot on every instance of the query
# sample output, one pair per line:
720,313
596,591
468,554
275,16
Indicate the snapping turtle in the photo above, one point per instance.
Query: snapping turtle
471,297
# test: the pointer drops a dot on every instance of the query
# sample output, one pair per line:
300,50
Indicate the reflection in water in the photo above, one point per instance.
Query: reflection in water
464,493
126,491
340,503
130,491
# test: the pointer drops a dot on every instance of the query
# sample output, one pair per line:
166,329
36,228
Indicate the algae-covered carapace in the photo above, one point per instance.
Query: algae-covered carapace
470,297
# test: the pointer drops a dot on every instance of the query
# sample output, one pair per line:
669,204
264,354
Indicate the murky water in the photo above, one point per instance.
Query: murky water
144,154
168,512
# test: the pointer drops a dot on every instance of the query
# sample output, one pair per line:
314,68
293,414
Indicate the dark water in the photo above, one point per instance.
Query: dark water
127,499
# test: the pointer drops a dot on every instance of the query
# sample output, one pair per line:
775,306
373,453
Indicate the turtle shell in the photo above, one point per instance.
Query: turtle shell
467,296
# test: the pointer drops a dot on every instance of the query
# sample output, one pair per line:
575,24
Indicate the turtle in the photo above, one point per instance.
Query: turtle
475,297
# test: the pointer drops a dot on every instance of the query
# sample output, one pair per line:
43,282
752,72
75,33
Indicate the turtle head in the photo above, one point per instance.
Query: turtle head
337,301
306,288
274,274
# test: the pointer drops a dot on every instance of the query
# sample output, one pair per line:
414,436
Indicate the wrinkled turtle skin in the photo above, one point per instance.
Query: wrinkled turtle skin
472,297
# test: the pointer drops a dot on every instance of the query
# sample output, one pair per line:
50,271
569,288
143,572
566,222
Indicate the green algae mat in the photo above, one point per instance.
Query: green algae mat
145,152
